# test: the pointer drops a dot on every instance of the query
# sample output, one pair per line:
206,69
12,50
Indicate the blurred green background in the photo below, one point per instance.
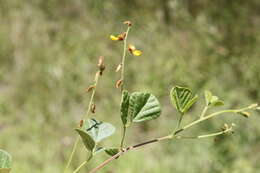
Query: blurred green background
48,56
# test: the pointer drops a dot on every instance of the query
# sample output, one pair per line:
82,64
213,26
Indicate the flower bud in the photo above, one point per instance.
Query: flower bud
119,83
118,67
128,23
253,106
101,64
244,114
90,88
93,108
81,123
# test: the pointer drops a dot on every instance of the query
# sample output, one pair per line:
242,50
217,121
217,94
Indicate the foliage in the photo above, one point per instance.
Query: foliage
5,162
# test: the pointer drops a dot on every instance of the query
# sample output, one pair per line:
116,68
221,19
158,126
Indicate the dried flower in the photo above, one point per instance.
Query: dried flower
134,51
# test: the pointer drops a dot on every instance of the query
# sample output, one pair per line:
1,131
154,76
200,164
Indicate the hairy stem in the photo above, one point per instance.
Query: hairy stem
88,111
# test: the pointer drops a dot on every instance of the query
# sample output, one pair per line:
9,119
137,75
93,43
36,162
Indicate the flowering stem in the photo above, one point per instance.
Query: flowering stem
122,79
88,111
123,58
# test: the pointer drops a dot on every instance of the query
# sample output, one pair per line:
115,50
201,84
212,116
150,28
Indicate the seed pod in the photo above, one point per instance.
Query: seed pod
90,88
81,123
118,67
101,65
119,83
93,108
128,23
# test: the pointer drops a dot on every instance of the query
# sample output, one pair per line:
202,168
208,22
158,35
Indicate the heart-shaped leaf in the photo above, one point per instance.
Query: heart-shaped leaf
112,151
212,100
98,130
182,98
5,162
88,141
124,106
143,106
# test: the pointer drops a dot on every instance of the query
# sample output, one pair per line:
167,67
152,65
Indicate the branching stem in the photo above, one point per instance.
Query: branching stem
174,136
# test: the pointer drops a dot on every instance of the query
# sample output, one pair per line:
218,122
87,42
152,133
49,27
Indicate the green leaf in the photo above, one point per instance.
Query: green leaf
143,106
98,130
5,162
208,96
88,141
124,106
112,151
182,98
212,100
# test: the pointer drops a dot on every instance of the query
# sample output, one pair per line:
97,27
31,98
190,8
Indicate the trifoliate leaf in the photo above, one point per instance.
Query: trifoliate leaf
182,98
143,106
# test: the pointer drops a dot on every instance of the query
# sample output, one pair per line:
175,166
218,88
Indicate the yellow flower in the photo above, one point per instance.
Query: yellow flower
114,38
120,37
137,52
134,51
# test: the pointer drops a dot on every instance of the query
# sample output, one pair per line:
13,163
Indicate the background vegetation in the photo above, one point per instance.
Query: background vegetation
48,56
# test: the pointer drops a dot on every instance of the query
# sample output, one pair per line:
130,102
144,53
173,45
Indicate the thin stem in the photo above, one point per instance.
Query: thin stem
122,78
129,149
211,116
72,154
123,59
123,137
204,111
178,124
204,136
83,164
88,111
